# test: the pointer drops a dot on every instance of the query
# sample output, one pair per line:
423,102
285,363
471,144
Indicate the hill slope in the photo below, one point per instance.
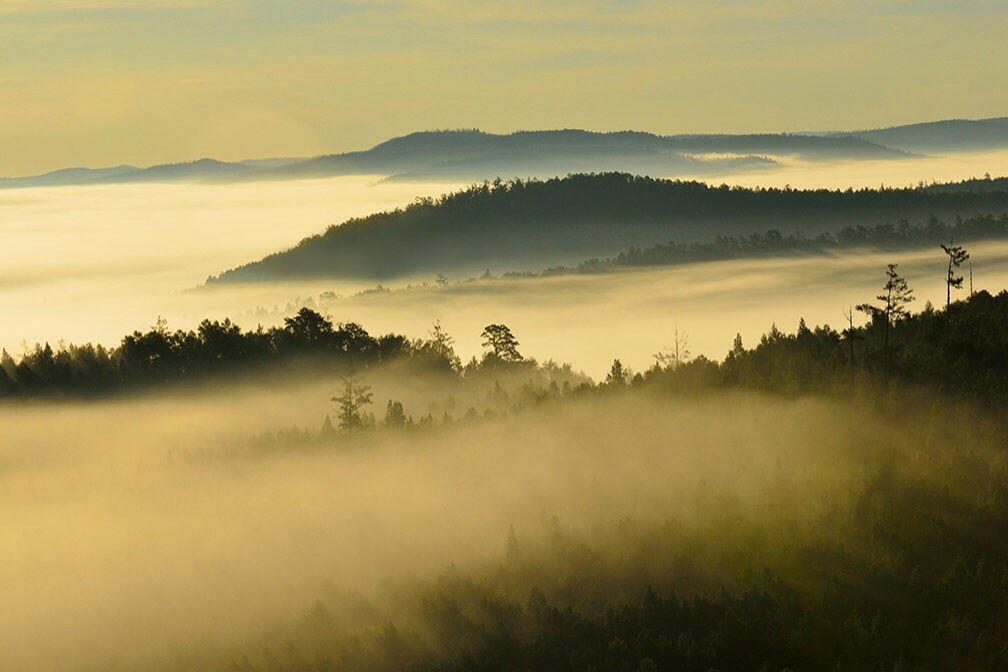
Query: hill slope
475,155
942,137
530,224
68,177
192,171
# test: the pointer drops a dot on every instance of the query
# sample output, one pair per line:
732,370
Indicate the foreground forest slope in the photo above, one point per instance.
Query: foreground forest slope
521,225
790,507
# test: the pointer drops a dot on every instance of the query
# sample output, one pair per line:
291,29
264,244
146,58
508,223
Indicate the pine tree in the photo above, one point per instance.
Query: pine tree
395,416
444,345
355,396
327,427
957,255
896,295
617,375
498,337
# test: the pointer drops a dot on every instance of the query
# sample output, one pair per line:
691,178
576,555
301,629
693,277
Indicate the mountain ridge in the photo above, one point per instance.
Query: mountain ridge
474,155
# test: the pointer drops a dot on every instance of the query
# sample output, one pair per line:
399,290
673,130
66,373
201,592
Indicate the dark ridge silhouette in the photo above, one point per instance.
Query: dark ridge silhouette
940,137
528,225
902,236
160,356
974,185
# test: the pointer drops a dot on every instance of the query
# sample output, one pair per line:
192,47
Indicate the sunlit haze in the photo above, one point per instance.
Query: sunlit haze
90,264
107,82
414,335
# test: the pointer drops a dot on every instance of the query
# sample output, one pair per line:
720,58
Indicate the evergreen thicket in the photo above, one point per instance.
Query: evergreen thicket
961,350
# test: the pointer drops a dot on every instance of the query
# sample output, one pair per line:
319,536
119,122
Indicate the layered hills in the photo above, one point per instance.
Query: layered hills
473,155
530,224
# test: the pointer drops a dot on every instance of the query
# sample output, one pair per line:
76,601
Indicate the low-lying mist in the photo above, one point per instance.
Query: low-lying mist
189,527
90,264
587,320
870,173
93,263
590,320
135,531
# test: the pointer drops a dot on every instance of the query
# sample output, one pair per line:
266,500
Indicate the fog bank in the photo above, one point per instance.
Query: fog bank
133,529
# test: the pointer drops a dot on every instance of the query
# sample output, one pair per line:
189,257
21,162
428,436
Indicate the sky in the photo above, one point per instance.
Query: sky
100,83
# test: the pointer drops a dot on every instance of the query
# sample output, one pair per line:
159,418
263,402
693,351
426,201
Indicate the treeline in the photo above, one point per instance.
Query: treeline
962,350
524,221
887,236
161,356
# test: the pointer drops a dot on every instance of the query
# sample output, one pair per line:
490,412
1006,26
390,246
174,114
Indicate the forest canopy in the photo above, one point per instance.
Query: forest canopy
961,350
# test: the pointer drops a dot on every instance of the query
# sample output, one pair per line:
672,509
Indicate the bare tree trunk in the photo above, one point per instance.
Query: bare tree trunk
948,286
850,341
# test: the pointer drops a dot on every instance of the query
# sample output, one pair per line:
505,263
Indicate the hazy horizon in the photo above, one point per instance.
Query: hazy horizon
110,82
783,161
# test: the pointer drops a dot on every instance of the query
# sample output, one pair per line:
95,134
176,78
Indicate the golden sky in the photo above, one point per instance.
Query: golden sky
106,82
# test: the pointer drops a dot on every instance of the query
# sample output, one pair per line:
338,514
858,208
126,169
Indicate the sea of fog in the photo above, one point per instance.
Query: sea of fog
92,263
133,531
589,320
857,173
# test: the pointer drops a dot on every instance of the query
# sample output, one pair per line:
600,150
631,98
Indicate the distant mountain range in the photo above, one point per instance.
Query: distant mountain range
472,155
468,155
529,225
195,171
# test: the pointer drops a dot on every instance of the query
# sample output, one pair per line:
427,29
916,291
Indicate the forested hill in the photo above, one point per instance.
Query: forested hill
942,137
528,225
772,243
